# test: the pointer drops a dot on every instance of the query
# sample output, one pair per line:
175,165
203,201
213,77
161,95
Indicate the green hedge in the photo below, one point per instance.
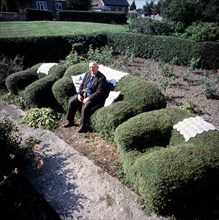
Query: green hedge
36,49
18,81
53,49
141,94
171,175
161,48
39,93
181,180
36,15
93,16
77,69
209,138
147,130
105,120
64,88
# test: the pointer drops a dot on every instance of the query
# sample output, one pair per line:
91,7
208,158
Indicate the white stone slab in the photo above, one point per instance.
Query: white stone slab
45,67
192,126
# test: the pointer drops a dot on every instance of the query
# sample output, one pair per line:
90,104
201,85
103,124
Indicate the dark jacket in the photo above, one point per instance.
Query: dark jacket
99,87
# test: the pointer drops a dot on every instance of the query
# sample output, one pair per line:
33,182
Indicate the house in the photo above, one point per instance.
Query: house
114,5
57,5
51,5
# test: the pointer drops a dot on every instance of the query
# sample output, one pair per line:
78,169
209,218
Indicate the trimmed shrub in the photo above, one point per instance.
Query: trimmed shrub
18,81
62,90
205,139
146,131
106,119
39,93
181,180
9,66
77,69
141,94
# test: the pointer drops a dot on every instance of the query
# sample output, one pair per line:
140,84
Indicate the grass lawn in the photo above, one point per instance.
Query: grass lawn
58,28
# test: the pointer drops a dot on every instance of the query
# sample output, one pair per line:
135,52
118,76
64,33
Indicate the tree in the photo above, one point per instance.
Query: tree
189,11
152,8
78,4
8,5
133,6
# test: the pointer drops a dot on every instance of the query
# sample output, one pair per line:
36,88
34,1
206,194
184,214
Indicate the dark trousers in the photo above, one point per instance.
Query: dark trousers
86,110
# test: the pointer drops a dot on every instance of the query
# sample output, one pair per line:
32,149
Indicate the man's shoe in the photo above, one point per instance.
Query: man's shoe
82,129
68,125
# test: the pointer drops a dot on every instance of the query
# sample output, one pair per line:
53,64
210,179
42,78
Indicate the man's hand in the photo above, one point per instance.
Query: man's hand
80,98
85,100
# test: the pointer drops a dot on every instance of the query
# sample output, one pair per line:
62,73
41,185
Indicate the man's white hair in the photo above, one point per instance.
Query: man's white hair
93,63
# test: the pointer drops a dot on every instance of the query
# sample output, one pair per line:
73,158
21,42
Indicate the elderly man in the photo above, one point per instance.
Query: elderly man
92,94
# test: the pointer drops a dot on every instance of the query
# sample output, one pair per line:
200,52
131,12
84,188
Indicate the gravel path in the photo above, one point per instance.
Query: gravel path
72,184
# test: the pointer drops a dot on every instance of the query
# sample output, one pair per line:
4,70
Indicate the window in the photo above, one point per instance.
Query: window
41,5
58,6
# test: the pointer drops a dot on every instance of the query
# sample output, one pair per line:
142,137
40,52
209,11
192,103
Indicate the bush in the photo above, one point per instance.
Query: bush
137,136
181,180
62,90
202,31
205,139
145,130
149,26
35,15
41,118
39,93
140,94
77,69
171,175
18,81
10,142
9,66
105,120
18,198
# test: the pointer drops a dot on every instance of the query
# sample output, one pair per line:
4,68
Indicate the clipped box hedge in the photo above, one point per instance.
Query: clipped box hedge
137,96
105,120
182,180
64,88
173,177
142,95
39,93
18,81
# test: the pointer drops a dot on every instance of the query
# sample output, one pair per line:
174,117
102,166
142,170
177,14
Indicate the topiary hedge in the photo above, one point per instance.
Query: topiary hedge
171,176
105,120
18,81
141,94
39,93
137,96
64,88
181,180
77,69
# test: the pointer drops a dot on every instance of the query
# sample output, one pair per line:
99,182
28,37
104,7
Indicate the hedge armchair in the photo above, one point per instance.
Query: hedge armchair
173,176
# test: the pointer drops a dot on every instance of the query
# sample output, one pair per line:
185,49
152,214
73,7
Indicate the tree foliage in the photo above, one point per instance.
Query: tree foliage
189,11
8,5
78,4
133,6
152,8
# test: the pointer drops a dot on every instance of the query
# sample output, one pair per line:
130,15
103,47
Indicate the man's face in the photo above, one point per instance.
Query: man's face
93,69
